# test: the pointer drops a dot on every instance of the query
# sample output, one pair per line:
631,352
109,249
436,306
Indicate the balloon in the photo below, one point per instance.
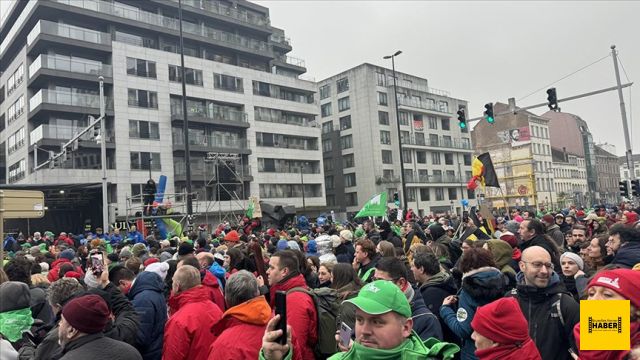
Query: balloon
464,202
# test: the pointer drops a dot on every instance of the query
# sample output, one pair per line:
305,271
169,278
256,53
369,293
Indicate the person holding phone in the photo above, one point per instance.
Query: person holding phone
383,328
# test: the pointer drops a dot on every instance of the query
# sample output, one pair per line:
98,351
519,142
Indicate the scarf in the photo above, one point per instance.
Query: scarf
14,323
526,351
401,351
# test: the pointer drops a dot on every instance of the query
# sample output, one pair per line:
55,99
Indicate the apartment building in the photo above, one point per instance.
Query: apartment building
246,100
360,141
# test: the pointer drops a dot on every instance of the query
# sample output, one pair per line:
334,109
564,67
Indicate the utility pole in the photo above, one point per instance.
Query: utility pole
623,111
103,160
304,205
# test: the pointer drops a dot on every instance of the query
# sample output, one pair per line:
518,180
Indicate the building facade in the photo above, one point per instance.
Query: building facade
246,104
570,178
608,175
624,167
360,141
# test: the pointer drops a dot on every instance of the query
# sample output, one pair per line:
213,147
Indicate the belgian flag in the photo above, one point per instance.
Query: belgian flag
483,172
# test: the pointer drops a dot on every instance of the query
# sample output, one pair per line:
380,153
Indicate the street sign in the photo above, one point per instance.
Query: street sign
21,204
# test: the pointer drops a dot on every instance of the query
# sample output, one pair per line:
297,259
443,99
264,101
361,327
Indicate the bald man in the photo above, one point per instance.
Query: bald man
550,310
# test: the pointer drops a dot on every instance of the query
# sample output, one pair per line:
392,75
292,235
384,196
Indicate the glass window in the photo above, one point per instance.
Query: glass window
446,124
348,161
345,122
433,123
346,142
328,182
406,156
143,98
425,194
343,104
439,194
141,67
453,193
351,199
227,82
342,85
327,145
381,79
387,157
144,130
419,138
327,127
443,106
435,158
383,118
350,180
325,109
328,165
385,137
382,98
325,91
194,77
404,118
433,140
421,157
467,159
142,161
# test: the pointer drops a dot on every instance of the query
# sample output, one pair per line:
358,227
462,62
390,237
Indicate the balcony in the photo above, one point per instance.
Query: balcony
424,105
81,36
206,143
291,63
418,87
65,101
387,180
54,135
219,8
414,178
288,120
212,115
200,170
436,143
280,40
165,22
89,70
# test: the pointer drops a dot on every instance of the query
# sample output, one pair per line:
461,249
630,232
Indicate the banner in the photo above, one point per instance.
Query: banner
253,208
418,124
376,206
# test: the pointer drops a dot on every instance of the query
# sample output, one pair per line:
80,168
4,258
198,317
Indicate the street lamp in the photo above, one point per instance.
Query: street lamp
395,93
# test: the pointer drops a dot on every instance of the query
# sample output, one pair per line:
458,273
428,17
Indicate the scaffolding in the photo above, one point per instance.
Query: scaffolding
228,174
173,206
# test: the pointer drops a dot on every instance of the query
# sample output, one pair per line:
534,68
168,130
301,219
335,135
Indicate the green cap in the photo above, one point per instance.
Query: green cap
380,297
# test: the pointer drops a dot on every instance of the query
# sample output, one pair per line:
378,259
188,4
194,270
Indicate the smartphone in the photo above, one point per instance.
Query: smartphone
465,216
345,335
97,263
281,309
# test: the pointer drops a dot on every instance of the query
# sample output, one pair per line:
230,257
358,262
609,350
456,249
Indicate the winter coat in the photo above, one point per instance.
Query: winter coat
502,255
212,285
365,272
136,237
40,307
628,254
219,272
547,244
634,330
55,269
115,239
425,323
479,287
147,296
345,252
540,309
99,347
347,310
189,332
433,292
125,326
246,321
301,314
554,232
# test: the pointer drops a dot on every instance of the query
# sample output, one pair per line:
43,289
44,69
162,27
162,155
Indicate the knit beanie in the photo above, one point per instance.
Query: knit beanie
312,246
501,321
293,245
68,254
625,282
150,261
90,280
282,245
575,258
14,295
335,241
512,226
232,236
160,268
185,249
509,238
165,256
138,249
88,314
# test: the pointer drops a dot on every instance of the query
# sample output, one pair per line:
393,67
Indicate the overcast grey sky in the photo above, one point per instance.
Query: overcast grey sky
480,51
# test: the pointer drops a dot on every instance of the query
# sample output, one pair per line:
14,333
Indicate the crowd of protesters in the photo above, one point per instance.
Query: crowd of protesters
438,287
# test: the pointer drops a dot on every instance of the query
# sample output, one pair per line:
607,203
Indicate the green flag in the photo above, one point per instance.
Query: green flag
376,206
250,208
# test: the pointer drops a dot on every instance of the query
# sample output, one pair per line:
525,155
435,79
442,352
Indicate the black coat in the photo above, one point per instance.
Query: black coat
99,347
345,252
40,307
425,322
547,244
147,296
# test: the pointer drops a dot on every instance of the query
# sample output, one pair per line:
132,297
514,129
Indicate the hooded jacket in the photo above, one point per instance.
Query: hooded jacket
147,296
628,254
425,323
556,234
189,332
98,347
212,284
246,321
503,256
546,328
479,287
301,314
433,293
55,269
345,252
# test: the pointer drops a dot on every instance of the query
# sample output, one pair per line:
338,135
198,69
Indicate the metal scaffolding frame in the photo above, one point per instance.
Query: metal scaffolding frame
234,163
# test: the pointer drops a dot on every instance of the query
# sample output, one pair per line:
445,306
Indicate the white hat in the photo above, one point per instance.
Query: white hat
160,268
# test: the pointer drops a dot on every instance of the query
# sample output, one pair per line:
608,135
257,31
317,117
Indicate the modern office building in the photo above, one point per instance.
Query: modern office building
246,103
360,141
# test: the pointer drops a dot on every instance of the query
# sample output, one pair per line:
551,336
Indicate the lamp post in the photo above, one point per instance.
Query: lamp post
185,124
395,94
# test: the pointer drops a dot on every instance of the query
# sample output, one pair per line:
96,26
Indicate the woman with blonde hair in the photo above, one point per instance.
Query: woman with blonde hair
386,249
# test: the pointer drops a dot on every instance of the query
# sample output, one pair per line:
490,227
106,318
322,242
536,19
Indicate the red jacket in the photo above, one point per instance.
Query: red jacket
210,282
64,239
301,315
189,331
608,354
55,269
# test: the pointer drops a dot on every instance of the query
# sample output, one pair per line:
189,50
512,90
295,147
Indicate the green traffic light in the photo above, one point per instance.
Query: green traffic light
463,125
490,120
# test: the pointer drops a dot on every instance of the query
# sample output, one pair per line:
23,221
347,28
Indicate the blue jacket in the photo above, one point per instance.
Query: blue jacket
115,239
136,237
219,272
425,323
479,287
147,296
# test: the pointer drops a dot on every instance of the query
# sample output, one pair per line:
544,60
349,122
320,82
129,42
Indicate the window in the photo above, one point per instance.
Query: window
348,161
351,199
467,159
15,79
439,194
325,91
342,85
425,194
446,141
346,142
443,106
1,94
143,130
17,171
350,180
453,194
325,109
405,137
385,137
387,157
143,98
327,145
381,79
433,140
141,67
419,138
343,104
433,123
327,127
382,99
404,118
227,82
406,156
421,157
3,124
387,174
328,182
15,110
435,158
142,160
446,124
345,122
331,200
15,141
466,143
194,77
383,118
328,166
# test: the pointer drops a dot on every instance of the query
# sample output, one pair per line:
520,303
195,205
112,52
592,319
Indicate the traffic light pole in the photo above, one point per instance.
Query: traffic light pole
623,111
103,159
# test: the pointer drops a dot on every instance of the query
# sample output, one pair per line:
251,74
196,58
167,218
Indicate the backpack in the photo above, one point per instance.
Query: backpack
327,306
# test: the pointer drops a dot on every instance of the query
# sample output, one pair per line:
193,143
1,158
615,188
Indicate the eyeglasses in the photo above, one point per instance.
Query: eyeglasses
538,265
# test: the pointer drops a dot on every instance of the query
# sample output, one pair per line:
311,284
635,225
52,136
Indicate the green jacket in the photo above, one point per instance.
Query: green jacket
411,349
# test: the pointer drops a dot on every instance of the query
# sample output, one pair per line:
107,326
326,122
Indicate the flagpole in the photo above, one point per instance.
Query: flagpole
506,204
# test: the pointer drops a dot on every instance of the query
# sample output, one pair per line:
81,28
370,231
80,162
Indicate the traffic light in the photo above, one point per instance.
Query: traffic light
624,189
96,131
488,113
396,199
635,188
552,99
462,119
